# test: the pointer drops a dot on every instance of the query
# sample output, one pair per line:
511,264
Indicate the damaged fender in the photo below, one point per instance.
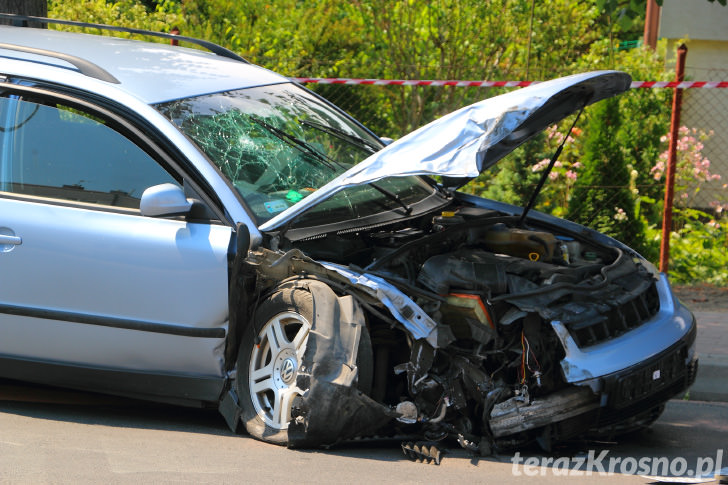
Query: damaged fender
410,315
332,408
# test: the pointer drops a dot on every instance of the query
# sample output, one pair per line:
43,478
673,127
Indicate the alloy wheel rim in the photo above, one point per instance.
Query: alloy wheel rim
274,365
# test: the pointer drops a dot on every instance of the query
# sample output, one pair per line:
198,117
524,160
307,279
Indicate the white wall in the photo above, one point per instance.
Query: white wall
703,26
696,19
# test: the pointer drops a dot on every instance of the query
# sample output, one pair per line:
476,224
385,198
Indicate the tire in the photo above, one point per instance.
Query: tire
269,358
268,361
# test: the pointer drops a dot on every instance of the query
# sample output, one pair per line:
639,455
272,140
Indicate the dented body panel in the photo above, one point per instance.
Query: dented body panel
333,409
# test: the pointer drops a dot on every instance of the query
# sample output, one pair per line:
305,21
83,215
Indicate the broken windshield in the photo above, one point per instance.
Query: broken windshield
277,144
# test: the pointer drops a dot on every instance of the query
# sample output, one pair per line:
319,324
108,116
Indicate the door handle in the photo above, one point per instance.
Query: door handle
14,240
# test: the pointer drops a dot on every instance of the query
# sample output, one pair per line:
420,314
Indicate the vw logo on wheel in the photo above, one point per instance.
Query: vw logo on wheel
288,370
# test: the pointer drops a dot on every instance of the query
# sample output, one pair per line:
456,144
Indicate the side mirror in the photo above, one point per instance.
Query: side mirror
164,200
386,140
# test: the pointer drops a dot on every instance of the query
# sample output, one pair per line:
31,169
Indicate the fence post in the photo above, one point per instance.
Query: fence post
682,52
652,24
174,31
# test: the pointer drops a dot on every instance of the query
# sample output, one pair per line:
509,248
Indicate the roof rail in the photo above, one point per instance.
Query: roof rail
85,67
212,47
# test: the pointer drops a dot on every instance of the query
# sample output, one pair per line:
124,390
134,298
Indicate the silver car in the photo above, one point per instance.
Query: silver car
182,226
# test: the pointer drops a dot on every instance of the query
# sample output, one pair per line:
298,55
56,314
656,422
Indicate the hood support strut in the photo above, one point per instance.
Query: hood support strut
546,172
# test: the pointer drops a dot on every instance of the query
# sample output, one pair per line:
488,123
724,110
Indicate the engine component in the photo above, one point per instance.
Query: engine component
468,317
522,243
408,412
446,219
395,239
474,271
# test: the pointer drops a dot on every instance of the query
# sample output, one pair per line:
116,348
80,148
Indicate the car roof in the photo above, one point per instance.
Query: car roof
151,72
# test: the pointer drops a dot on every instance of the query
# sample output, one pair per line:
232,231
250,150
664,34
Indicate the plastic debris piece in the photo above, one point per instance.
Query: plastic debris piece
422,452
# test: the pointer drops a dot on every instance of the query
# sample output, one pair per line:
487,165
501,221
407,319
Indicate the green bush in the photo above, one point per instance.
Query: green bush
601,197
124,13
699,250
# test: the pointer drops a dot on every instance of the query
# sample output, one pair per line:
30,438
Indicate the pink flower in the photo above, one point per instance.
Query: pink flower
540,165
691,166
620,215
719,207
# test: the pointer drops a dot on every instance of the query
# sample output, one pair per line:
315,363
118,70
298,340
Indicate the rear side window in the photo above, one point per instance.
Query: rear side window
58,152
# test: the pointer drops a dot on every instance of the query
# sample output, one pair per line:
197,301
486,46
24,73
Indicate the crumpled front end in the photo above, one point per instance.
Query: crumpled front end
490,324
492,333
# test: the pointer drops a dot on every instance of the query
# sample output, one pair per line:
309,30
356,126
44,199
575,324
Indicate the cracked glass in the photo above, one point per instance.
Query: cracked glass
277,144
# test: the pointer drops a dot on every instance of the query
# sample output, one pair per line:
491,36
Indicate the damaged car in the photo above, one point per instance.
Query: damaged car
185,227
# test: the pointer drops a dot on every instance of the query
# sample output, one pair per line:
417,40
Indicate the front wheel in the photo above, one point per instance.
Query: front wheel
268,363
272,350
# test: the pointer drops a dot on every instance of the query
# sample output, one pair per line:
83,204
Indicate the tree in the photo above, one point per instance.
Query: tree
513,179
123,13
34,8
601,198
463,39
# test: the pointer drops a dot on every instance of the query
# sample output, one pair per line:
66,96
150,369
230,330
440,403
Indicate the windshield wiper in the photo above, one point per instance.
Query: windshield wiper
392,196
302,145
342,135
298,143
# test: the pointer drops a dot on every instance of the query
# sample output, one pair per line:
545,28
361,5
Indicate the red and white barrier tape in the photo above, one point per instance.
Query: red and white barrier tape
487,84
680,85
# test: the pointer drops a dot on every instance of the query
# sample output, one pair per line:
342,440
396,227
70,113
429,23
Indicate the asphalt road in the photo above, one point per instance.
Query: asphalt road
51,436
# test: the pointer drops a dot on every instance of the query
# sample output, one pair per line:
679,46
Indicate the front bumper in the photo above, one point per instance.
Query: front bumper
626,400
664,375
672,325
654,362
629,378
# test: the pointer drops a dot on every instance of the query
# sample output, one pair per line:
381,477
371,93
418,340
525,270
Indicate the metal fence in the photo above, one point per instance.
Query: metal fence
706,111
393,108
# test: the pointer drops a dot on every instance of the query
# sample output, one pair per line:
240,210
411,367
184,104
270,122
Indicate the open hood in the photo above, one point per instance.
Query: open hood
465,142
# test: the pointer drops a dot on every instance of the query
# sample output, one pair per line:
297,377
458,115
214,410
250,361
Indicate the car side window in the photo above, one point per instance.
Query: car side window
59,152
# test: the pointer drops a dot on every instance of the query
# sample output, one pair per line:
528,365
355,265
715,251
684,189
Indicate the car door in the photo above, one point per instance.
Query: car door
87,281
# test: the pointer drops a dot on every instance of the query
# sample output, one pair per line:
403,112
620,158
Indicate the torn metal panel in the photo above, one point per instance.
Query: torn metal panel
407,312
420,325
331,413
332,409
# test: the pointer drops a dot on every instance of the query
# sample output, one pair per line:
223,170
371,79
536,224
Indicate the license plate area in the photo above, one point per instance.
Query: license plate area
649,379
